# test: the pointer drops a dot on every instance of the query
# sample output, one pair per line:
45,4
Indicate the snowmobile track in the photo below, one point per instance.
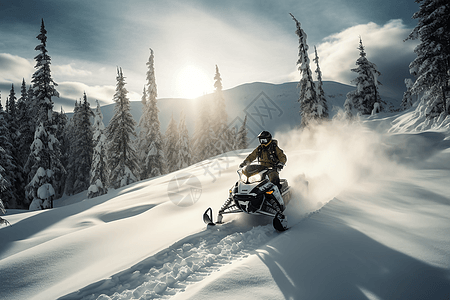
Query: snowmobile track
188,261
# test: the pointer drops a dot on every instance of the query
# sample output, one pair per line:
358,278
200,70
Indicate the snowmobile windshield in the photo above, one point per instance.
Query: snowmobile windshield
251,170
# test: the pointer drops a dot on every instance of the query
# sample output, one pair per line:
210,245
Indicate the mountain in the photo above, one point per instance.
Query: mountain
272,107
372,224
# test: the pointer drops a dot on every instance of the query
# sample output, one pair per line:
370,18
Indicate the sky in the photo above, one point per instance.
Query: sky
249,41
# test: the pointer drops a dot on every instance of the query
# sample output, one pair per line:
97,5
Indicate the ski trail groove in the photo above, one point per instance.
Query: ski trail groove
173,269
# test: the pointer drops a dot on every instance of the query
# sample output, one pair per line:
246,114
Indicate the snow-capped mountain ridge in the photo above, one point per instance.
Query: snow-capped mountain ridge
257,99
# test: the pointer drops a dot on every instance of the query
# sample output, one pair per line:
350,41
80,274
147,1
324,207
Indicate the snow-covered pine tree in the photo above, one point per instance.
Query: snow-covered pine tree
183,144
13,127
153,163
242,139
349,109
43,84
234,136
44,159
3,185
26,126
308,96
99,168
407,100
142,142
60,120
366,95
7,167
17,181
32,107
171,146
84,146
203,138
432,64
122,159
322,106
40,189
70,146
12,102
222,136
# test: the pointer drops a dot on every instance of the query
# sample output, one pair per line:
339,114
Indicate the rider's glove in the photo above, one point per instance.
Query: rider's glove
243,164
280,167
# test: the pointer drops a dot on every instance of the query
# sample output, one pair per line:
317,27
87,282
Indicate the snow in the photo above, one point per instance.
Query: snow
371,224
45,191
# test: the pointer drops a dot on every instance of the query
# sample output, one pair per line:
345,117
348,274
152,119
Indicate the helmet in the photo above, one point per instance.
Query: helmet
264,137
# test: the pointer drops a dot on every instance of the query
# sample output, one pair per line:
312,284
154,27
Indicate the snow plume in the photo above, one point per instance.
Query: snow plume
331,157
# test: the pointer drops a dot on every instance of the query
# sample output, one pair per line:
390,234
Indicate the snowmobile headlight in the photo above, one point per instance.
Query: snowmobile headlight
255,178
243,178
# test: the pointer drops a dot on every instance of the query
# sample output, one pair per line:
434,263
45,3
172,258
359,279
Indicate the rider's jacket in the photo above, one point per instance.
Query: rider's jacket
268,154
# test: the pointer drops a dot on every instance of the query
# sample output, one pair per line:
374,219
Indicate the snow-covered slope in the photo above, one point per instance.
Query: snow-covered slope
373,224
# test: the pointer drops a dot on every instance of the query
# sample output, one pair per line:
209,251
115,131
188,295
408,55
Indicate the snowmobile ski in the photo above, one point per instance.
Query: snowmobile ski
208,218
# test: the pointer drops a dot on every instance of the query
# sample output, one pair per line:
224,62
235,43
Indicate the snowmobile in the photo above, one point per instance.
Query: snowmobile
254,194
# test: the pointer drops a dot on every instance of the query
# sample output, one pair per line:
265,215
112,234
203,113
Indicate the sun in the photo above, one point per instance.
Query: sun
192,82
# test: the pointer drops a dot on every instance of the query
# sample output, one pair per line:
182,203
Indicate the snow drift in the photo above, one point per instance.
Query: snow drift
371,224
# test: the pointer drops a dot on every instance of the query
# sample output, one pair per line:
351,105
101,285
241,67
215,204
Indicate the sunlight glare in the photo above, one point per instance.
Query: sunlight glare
192,82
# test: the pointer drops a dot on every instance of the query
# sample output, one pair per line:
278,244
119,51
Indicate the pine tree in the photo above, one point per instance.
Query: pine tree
3,183
348,109
13,127
17,179
99,169
61,120
308,97
142,142
183,144
407,100
43,84
153,158
7,167
84,147
322,106
70,146
32,109
26,126
222,137
242,139
122,159
203,139
40,189
44,159
432,64
12,104
171,146
366,97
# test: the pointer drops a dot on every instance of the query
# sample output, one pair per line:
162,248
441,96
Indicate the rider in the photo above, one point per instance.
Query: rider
269,155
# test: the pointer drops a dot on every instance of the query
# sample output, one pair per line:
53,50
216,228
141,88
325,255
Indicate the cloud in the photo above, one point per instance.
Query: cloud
14,68
73,91
383,44
69,71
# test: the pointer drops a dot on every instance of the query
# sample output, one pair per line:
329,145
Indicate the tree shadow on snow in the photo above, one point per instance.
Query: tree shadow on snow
339,262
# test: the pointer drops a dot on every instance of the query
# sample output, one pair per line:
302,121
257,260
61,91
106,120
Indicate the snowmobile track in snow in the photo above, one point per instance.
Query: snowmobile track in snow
188,261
